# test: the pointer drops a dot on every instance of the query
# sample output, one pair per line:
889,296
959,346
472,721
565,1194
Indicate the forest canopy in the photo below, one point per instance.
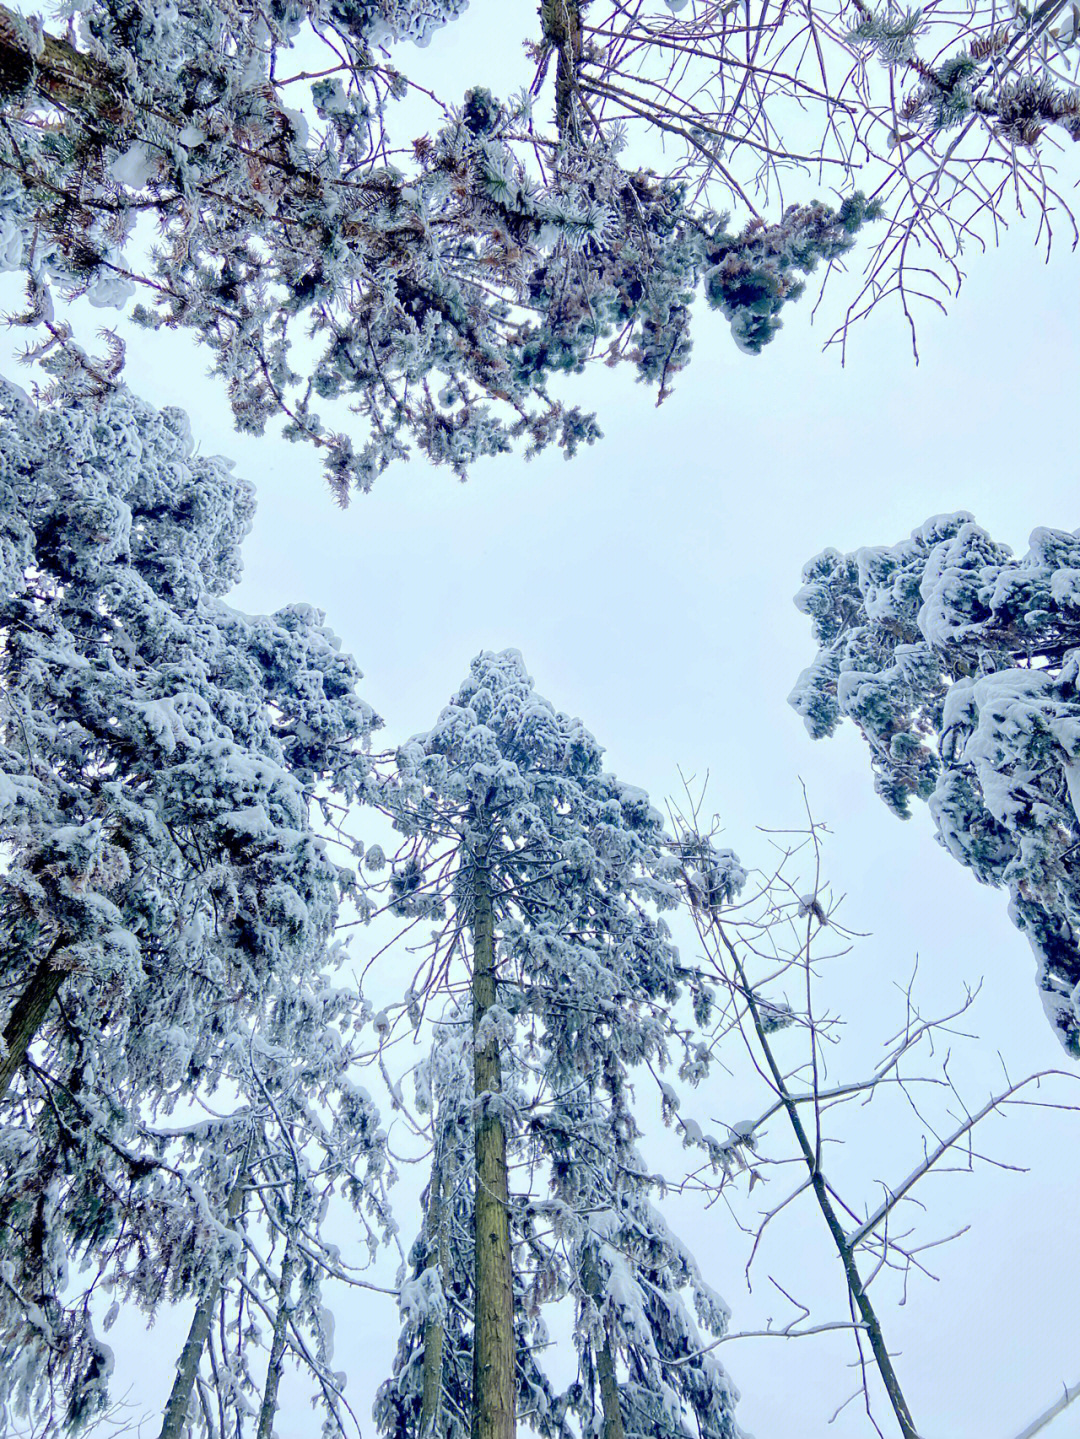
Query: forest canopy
328,1046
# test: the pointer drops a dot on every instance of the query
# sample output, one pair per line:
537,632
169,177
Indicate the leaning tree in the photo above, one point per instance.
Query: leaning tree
299,1162
959,663
164,890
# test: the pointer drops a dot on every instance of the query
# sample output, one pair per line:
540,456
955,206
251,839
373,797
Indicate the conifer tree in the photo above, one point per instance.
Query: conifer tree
959,663
554,871
279,213
304,1140
165,898
454,267
431,1392
159,748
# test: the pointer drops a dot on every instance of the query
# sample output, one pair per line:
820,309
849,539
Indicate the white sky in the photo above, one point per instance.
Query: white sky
648,586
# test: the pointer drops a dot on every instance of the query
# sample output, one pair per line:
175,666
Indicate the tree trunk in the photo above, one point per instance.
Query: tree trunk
176,1410
80,85
493,1338
605,1359
277,1346
844,1249
434,1329
27,1017
561,21
59,73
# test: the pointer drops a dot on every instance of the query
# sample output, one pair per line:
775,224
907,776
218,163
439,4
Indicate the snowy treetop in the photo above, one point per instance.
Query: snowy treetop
500,749
507,792
959,662
445,291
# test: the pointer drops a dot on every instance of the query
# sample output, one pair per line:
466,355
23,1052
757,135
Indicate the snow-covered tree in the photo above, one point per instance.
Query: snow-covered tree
627,1273
165,898
947,119
960,664
453,263
431,1391
445,293
302,1138
554,871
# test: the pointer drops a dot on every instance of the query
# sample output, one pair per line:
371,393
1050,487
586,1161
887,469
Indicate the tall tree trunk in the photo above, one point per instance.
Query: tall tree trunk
268,1407
561,22
605,1358
176,1409
609,1391
434,1329
27,1017
493,1337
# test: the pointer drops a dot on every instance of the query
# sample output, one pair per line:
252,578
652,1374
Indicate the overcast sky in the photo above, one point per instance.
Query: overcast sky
648,585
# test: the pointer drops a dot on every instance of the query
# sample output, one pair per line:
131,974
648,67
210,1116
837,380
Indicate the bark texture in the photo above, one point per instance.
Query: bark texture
434,1330
605,1358
493,1341
57,72
561,21
268,1408
179,1401
27,1017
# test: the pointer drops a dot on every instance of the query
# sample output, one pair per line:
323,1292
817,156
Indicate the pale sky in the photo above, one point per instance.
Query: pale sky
648,585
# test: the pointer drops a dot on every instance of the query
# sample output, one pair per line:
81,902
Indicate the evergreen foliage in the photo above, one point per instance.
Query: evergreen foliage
181,1121
444,295
431,1391
165,904
579,867
958,661
452,278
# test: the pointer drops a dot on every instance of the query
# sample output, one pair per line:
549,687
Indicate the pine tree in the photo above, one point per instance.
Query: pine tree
414,282
431,1393
164,888
959,663
449,292
554,871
